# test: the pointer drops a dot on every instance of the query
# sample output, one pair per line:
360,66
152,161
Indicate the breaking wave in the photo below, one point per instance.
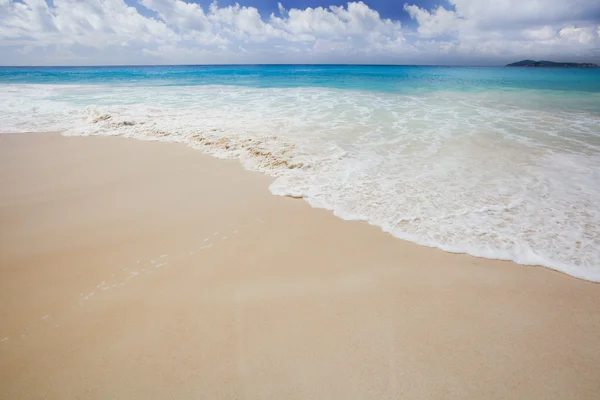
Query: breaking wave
497,174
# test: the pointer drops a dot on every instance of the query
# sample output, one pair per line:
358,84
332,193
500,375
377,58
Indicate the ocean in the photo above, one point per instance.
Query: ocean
501,163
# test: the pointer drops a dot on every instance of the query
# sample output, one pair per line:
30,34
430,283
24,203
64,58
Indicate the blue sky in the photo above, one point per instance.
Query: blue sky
387,9
450,32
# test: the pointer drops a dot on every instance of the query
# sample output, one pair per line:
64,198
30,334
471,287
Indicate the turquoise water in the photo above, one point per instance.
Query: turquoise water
392,79
496,162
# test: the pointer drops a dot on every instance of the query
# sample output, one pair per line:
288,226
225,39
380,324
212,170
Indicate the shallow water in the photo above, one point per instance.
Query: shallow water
495,162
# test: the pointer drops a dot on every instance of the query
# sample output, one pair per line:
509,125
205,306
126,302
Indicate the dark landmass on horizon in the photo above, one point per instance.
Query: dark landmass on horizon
551,64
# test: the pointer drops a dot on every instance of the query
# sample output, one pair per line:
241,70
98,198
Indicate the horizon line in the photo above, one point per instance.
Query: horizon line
249,65
286,64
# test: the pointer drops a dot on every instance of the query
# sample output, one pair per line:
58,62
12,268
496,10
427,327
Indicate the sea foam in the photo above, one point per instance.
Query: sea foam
496,174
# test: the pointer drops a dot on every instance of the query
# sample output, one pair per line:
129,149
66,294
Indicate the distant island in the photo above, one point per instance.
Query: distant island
551,64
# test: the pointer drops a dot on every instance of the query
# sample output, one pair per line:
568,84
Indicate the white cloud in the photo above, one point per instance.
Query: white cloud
356,19
180,15
179,31
241,22
511,28
489,14
584,36
434,23
185,31
94,23
281,8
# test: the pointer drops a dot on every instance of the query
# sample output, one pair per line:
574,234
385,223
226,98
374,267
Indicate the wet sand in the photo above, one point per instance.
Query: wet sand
147,270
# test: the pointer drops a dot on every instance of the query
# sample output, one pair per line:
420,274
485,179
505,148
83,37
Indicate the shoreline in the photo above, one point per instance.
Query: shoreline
211,145
136,269
533,204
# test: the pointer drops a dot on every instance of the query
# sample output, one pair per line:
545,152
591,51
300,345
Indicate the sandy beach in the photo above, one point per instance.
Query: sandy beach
147,270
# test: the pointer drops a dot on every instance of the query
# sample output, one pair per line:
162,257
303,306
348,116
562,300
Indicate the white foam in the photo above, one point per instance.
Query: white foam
499,175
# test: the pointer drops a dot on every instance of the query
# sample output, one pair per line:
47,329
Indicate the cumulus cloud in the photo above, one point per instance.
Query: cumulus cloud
180,31
503,28
433,23
525,13
94,23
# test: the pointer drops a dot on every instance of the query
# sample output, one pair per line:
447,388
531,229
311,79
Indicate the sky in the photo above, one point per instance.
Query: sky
431,32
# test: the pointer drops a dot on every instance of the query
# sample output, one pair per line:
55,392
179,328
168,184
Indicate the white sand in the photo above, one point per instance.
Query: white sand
137,270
